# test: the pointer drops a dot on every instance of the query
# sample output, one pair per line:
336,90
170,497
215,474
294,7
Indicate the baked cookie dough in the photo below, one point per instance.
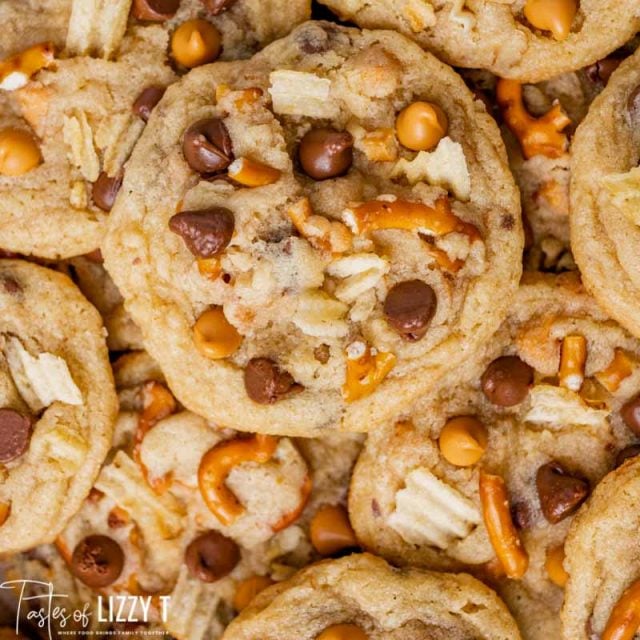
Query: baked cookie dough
195,512
487,472
362,597
525,40
309,239
537,122
68,121
605,196
64,138
97,286
58,403
602,560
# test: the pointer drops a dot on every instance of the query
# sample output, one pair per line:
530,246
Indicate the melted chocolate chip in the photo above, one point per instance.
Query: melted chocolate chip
409,308
326,153
633,104
207,146
600,72
265,382
146,101
105,189
506,381
15,433
627,453
97,561
154,10
522,515
216,7
559,492
211,556
630,413
206,233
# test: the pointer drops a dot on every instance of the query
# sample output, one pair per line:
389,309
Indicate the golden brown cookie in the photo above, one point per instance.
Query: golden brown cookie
487,471
605,188
58,403
194,511
320,230
362,597
601,595
526,40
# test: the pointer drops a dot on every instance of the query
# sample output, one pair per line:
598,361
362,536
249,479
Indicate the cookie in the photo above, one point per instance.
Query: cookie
537,122
604,196
64,138
602,561
93,280
361,596
525,40
68,121
313,271
486,472
188,509
58,403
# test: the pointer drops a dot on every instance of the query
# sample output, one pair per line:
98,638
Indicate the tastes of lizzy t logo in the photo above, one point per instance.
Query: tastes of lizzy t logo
43,607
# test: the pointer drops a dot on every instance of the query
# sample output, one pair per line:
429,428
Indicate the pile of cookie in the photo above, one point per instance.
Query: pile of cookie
320,322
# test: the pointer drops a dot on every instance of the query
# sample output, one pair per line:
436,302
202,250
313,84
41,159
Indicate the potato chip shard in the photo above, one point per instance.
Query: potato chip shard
41,380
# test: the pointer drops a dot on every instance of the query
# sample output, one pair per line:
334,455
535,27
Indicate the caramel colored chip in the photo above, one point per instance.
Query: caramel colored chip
195,42
331,530
19,152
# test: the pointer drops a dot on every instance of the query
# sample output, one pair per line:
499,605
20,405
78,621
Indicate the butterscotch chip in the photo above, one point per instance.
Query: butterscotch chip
604,189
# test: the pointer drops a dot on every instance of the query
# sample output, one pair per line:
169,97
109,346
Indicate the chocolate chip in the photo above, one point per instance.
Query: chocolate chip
521,515
11,285
375,508
559,492
633,104
207,146
15,433
630,413
215,7
105,189
207,232
146,101
322,353
506,381
265,382
211,556
600,72
410,307
97,561
155,10
625,454
508,222
326,153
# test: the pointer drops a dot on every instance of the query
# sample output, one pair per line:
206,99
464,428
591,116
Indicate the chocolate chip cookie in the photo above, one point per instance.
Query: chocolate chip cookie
77,98
487,472
362,597
65,134
197,512
525,40
605,186
58,403
601,557
310,239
